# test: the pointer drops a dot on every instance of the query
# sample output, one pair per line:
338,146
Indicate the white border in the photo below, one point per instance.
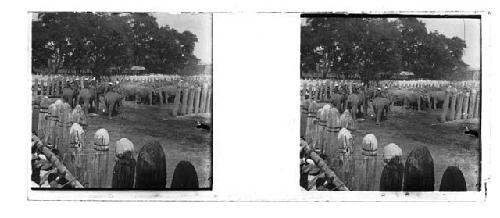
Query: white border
256,123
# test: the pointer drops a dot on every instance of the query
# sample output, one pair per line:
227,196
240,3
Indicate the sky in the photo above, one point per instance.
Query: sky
200,24
451,27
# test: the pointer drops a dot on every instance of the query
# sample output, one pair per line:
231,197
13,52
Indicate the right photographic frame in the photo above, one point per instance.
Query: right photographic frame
390,102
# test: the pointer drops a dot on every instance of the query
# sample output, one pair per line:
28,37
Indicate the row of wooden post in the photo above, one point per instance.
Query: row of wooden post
320,129
90,166
192,100
461,105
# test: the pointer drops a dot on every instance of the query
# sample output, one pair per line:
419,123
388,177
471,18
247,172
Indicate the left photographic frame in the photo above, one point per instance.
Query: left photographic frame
121,101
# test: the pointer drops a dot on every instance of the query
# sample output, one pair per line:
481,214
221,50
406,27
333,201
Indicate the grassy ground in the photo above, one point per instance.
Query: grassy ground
178,136
446,142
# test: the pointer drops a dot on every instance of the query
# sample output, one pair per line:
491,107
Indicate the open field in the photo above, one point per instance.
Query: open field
179,137
446,142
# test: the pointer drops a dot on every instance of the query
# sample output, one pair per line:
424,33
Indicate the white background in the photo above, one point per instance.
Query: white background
256,113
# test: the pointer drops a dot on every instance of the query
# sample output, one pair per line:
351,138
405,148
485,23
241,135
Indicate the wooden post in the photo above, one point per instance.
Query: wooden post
151,172
160,93
42,119
203,99
451,115
185,96
477,111
304,106
49,128
419,170
34,118
177,101
190,101
391,178
99,161
197,100
322,128
472,104
331,135
309,135
345,154
208,108
460,100
150,96
419,98
445,106
369,163
66,122
465,104
124,167
317,131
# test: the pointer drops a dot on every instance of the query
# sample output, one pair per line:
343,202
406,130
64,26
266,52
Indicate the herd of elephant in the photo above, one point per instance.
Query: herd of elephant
106,95
376,102
90,96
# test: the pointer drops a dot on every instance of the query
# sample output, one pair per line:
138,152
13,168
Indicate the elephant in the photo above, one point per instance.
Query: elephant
437,97
87,95
355,101
69,96
416,99
381,105
397,96
144,95
337,100
112,101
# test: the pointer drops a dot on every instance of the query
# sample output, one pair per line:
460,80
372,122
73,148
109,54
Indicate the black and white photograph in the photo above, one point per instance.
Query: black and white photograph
121,101
390,102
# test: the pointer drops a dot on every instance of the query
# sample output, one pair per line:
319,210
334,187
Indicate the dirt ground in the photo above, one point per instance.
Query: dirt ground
446,142
179,137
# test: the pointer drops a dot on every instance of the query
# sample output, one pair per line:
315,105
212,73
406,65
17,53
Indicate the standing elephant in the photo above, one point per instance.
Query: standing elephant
354,100
87,96
337,101
112,101
381,105
437,97
69,96
417,99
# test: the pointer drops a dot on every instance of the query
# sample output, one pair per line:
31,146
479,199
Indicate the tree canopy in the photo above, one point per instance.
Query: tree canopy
375,48
104,42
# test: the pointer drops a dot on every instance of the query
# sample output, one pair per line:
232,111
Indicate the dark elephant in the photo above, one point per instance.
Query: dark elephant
185,176
87,97
112,101
381,105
